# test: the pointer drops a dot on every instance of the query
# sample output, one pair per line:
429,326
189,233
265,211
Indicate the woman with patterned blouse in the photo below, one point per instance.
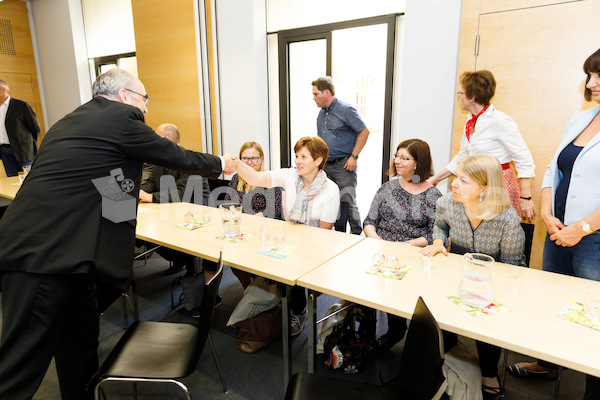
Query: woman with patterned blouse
254,200
478,218
403,210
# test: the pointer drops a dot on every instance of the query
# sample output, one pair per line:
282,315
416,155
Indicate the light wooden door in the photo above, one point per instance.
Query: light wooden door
536,55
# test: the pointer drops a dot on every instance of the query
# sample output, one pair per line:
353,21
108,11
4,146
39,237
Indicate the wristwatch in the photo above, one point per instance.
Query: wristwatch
355,156
585,227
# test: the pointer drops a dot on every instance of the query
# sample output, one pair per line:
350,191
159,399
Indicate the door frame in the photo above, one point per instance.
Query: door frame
286,37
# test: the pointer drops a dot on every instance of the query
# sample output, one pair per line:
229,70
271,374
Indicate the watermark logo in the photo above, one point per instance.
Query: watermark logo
117,205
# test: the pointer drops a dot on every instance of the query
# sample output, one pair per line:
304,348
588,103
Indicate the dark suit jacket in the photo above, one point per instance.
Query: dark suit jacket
23,129
55,225
152,185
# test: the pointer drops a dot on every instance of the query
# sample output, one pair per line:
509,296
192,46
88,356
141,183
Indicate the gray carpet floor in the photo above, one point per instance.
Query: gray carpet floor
257,376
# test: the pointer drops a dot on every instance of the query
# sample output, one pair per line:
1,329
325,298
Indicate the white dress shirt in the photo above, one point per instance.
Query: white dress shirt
498,135
3,134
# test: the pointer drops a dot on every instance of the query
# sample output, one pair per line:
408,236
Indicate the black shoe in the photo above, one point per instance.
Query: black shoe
492,393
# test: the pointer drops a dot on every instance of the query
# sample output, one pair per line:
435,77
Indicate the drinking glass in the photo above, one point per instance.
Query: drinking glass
265,232
425,262
391,261
592,305
378,259
514,281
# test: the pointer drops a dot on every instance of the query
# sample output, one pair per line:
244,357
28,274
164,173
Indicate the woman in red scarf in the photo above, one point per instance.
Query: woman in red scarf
490,131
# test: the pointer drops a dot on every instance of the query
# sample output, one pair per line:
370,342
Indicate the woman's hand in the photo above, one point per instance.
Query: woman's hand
568,236
527,209
371,232
433,249
553,224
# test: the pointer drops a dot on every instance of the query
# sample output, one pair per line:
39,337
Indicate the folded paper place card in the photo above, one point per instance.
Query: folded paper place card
278,251
395,272
193,225
575,312
494,308
234,240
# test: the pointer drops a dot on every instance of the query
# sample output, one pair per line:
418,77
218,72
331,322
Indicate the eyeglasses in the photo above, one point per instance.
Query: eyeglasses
403,158
145,96
253,159
459,93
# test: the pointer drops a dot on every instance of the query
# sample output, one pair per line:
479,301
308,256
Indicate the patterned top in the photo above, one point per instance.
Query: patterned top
267,201
501,237
398,215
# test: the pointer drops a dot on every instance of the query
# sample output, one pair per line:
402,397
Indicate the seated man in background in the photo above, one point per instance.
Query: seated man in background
150,192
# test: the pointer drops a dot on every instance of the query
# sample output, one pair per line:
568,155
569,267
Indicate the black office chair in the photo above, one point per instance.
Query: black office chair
528,229
420,376
161,351
340,224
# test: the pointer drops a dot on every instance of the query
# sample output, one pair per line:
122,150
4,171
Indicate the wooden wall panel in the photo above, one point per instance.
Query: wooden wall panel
466,61
18,68
540,82
167,65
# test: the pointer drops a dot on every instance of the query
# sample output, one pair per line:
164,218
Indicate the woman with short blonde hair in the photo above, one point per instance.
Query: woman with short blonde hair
478,216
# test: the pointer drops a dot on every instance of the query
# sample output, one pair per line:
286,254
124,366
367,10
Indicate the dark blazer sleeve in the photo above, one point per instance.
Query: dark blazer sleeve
139,141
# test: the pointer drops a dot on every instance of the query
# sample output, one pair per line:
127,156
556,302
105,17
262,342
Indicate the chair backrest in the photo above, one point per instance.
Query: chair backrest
420,375
528,229
211,289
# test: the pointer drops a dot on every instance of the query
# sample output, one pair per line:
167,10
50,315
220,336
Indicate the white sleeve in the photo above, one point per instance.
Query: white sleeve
511,138
330,202
462,153
279,178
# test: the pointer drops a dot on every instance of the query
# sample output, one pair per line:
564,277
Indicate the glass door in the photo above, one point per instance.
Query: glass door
358,55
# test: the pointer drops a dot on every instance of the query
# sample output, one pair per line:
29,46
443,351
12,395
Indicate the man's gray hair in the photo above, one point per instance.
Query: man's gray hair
169,129
3,84
110,82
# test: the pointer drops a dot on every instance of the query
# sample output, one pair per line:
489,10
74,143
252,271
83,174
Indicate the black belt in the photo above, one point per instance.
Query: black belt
4,145
329,162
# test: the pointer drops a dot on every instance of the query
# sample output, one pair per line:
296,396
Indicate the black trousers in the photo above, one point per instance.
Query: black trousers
47,316
488,354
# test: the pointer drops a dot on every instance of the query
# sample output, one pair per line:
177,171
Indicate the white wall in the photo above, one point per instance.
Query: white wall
425,92
242,47
428,75
61,55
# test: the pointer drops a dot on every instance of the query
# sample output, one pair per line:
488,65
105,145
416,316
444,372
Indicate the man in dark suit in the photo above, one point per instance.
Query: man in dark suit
19,130
57,244
151,191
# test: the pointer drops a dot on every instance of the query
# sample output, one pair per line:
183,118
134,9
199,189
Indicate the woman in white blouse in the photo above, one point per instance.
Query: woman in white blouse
490,131
310,198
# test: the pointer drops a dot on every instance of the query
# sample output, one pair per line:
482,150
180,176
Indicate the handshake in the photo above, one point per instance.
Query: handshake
231,164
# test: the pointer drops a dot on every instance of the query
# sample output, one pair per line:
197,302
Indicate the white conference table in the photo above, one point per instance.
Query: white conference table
156,223
532,326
